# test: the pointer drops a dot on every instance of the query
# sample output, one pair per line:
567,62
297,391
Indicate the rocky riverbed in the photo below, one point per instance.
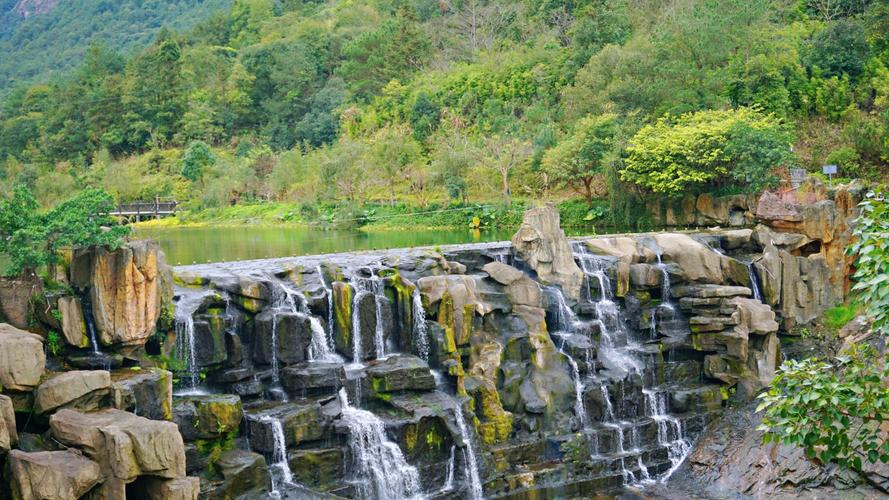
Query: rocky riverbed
537,368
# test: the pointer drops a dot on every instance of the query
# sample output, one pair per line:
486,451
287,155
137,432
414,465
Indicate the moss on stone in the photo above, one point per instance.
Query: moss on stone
410,437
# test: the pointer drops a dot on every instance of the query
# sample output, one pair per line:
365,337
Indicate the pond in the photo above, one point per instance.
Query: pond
195,245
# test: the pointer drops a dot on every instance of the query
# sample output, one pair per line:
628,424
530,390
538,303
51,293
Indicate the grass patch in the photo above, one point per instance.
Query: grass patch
837,317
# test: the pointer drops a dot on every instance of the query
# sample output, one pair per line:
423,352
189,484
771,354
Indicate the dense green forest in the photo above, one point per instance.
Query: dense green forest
55,34
426,102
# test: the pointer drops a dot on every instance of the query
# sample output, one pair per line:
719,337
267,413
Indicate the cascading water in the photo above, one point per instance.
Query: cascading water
363,286
328,292
284,476
614,343
754,281
670,434
449,477
87,310
475,483
421,340
188,304
379,469
288,300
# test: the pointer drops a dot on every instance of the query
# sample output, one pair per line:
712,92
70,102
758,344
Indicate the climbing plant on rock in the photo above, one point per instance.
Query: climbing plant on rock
872,262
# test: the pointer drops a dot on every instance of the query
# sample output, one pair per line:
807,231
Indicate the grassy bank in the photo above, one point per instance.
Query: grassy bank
381,217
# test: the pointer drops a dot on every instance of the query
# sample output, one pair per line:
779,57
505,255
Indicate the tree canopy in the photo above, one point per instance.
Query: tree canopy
706,149
32,238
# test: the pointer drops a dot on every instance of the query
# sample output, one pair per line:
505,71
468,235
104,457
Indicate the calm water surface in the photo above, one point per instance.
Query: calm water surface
192,245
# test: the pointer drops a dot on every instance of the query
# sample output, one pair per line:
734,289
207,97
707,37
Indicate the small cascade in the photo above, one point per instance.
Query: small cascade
754,281
328,292
379,469
185,343
289,300
611,422
475,484
284,476
449,477
614,342
670,432
421,336
579,388
373,285
87,309
357,351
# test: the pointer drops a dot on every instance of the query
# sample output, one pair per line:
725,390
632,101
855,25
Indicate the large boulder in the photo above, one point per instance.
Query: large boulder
156,488
697,262
622,248
312,378
22,360
541,243
73,324
147,392
242,472
8,434
289,333
125,445
458,299
300,421
207,417
85,390
16,306
399,372
52,475
124,289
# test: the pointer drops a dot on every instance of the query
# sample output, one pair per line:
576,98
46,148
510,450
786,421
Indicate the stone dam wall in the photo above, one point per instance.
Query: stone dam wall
526,369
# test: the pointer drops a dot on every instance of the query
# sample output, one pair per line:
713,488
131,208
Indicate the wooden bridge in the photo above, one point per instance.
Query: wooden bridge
140,210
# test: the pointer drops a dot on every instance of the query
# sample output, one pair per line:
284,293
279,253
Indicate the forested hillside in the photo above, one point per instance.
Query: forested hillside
41,38
449,101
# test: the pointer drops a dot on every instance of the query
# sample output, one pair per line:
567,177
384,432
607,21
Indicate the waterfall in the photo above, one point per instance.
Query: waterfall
421,337
614,340
87,310
279,457
579,386
288,299
188,304
670,434
328,291
475,483
449,477
754,281
379,468
357,353
373,285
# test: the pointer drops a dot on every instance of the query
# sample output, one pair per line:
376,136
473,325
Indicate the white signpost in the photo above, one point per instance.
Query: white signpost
829,171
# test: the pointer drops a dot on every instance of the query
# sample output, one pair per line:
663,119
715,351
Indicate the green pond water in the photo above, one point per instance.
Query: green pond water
190,245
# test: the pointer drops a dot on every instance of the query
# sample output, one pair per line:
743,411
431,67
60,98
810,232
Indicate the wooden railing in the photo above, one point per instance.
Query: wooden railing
139,209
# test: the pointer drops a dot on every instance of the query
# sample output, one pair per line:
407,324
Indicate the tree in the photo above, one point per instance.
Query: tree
582,156
505,154
32,238
197,158
840,48
707,149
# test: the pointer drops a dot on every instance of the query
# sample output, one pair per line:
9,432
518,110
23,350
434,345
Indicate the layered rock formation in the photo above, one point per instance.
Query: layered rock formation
548,367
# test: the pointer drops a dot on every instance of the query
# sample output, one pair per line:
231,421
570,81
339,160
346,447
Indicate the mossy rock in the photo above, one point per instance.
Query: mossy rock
207,417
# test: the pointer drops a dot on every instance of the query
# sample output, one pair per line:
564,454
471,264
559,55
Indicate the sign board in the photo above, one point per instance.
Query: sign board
829,169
